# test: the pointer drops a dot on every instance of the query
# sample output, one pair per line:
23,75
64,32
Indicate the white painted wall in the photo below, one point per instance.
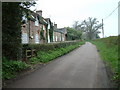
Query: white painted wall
37,39
36,22
48,37
24,38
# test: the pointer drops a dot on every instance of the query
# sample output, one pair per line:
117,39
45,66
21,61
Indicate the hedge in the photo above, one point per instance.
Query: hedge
46,47
45,53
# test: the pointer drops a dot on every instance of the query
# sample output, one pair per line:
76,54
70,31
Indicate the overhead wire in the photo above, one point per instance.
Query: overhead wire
111,12
109,16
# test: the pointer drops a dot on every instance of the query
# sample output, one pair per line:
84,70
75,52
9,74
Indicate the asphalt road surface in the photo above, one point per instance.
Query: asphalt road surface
81,68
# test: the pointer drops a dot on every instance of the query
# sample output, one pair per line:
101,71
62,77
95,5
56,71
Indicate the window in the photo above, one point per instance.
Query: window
36,22
37,38
24,38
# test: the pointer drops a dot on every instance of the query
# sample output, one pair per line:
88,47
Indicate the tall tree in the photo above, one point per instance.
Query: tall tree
76,25
12,13
91,27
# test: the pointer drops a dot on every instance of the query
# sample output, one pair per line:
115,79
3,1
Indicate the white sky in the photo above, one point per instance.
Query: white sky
65,12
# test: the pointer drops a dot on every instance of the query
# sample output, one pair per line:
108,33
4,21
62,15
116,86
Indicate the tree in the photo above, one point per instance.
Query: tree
76,25
73,34
90,27
12,13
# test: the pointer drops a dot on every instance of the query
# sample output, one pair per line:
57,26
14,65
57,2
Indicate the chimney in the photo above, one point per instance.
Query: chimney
55,26
39,12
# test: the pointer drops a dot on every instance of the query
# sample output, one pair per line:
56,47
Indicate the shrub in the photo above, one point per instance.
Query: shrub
46,56
47,47
10,67
109,41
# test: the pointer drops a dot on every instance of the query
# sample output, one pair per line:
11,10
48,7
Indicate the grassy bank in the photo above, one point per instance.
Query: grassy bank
108,48
12,68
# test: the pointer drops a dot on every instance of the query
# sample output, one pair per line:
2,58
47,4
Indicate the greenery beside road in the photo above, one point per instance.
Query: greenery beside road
12,68
108,49
46,56
73,34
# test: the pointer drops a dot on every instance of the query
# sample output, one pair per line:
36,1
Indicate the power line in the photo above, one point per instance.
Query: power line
107,17
112,12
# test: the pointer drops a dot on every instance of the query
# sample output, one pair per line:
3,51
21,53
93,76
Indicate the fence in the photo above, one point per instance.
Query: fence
30,53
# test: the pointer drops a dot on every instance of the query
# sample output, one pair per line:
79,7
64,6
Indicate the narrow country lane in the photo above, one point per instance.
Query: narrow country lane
81,68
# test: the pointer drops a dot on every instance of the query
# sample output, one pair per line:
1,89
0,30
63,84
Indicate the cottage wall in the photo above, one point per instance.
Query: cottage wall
32,32
59,36
54,36
37,34
63,37
48,36
25,37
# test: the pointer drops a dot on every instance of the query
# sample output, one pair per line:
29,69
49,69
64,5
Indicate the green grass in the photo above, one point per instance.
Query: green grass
11,68
109,53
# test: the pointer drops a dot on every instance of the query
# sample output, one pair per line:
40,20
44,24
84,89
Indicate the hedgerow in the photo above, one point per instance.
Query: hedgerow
45,53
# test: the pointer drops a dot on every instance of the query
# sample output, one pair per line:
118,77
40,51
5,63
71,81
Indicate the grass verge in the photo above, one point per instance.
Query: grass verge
109,53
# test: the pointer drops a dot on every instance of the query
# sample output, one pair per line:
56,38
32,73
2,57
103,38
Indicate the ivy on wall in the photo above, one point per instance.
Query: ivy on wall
42,34
12,13
11,29
51,33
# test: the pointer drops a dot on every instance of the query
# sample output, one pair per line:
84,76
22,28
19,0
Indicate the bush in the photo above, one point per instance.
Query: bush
46,56
10,68
47,47
109,41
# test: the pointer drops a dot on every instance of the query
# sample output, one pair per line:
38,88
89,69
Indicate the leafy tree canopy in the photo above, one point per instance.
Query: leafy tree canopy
89,28
73,34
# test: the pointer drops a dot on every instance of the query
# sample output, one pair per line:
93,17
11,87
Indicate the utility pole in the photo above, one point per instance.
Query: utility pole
102,29
119,18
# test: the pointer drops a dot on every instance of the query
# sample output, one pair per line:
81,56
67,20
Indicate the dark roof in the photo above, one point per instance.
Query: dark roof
61,30
32,16
42,20
48,20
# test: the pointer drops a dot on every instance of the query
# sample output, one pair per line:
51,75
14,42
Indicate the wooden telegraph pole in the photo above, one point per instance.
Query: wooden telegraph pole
102,29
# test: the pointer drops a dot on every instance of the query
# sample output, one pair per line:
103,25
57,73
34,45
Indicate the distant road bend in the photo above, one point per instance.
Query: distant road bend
81,68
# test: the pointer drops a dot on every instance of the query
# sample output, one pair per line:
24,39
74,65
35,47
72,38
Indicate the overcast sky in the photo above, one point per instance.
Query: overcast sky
65,12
